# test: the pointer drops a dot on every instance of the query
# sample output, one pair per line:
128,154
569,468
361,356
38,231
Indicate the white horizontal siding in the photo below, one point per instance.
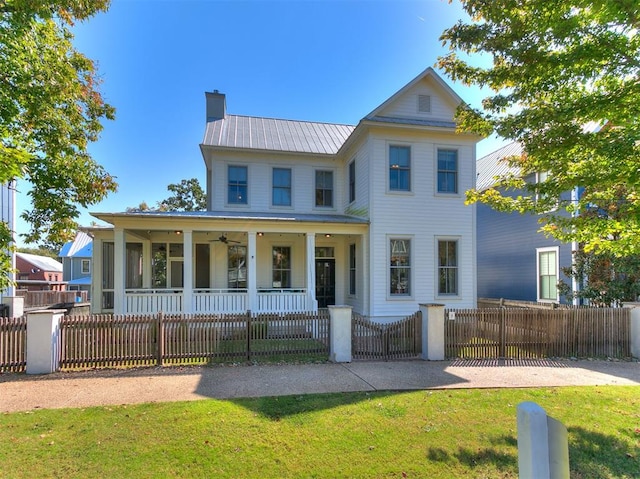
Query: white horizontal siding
407,105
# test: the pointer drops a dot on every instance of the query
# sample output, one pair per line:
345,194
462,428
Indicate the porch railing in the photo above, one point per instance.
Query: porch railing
279,300
141,301
171,301
227,300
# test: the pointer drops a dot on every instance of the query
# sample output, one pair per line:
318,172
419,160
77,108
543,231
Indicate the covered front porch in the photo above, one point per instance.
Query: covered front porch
202,264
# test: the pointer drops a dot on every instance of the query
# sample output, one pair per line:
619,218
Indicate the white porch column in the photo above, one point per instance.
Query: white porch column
187,281
311,272
119,271
252,272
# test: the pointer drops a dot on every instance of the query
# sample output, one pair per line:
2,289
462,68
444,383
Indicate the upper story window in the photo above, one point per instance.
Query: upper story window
399,168
424,104
238,180
324,188
86,266
281,187
447,171
352,181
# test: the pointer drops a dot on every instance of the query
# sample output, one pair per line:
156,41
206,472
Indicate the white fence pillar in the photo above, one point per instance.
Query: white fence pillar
634,331
340,334
43,331
432,332
16,305
543,446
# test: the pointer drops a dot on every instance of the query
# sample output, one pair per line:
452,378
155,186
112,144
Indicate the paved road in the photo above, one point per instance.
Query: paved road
19,392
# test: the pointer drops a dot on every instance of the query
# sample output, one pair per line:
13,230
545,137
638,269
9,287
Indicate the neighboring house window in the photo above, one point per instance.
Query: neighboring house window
281,267
447,267
237,194
352,181
352,269
447,171
237,267
324,188
547,274
281,184
399,168
400,267
86,266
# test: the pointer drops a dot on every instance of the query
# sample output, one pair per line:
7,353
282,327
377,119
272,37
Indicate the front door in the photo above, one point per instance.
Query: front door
325,282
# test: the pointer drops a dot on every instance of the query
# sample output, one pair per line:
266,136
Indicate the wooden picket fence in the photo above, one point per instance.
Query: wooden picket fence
13,344
537,333
115,341
398,340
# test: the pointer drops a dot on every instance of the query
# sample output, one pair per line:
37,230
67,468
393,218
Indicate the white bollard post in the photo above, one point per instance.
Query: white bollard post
340,334
543,447
432,332
43,331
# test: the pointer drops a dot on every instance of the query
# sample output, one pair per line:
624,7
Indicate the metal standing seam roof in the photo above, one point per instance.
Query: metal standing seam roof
43,263
492,165
256,133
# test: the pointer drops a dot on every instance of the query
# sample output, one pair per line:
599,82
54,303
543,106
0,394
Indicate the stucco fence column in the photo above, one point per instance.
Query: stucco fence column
43,333
634,330
432,332
340,334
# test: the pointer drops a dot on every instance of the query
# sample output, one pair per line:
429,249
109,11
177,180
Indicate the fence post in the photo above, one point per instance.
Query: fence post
15,304
634,328
543,447
432,332
160,358
340,334
43,341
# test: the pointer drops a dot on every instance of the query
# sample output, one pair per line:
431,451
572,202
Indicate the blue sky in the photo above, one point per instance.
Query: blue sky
330,61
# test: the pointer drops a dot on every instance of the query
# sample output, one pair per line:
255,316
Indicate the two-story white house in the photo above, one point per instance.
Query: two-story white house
303,215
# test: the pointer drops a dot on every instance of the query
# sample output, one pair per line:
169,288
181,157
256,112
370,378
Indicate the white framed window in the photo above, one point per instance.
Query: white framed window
236,267
281,267
324,188
547,272
85,267
238,183
399,168
447,170
399,267
281,187
448,267
352,181
424,103
352,269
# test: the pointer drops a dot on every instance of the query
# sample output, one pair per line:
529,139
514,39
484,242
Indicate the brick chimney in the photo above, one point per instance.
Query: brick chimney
216,105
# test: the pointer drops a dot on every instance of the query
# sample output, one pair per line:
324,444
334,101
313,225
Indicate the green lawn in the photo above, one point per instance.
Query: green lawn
425,434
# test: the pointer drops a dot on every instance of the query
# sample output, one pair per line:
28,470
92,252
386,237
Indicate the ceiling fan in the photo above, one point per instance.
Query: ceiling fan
223,239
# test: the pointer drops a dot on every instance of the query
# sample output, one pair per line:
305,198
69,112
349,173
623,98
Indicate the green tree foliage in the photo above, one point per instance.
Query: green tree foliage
605,280
50,110
565,83
187,196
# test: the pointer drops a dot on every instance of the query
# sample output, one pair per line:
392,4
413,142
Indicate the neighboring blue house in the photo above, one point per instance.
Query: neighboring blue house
76,262
515,261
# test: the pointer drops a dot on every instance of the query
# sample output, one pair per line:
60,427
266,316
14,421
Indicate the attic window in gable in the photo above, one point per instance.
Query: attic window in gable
424,103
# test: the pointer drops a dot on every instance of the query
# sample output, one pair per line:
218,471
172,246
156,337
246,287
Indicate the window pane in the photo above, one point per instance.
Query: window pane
447,267
237,191
159,265
400,168
447,171
237,267
352,181
281,267
133,265
400,267
324,188
281,195
352,269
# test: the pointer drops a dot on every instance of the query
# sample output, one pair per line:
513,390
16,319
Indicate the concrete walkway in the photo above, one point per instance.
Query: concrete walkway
19,392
